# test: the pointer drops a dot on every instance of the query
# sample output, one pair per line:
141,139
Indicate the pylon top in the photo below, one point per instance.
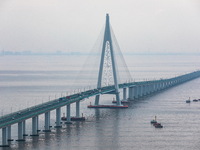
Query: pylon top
107,16
107,19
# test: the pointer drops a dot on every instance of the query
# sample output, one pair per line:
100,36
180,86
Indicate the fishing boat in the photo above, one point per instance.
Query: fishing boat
188,101
195,100
153,121
63,118
158,125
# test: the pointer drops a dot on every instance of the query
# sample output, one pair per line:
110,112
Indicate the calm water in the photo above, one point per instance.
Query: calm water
29,80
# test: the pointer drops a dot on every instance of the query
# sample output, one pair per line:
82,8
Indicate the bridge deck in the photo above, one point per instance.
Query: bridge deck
30,112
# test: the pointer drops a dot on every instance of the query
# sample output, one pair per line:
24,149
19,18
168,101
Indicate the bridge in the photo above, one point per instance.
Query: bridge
131,91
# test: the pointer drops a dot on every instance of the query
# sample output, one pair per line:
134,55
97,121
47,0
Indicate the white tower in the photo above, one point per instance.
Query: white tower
107,46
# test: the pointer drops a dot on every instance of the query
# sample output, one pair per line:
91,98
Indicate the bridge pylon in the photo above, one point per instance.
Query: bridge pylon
107,47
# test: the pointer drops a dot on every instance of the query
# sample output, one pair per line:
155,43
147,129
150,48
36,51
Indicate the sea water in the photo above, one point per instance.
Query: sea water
26,81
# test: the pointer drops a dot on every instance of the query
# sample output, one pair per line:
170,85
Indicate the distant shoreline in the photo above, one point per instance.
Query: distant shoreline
9,53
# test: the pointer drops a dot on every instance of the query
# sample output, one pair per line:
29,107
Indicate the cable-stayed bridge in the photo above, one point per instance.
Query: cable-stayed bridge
108,73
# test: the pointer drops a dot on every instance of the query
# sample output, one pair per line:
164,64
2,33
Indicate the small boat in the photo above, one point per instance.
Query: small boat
188,101
73,118
77,118
153,121
158,125
63,118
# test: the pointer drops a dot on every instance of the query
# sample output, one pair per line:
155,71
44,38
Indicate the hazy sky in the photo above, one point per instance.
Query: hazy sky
74,25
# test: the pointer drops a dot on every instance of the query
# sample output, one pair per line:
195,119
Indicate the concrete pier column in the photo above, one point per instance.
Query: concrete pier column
47,122
58,118
167,84
152,87
37,123
144,90
147,89
68,112
124,94
9,133
173,82
170,83
129,92
139,91
4,137
24,128
20,132
78,109
157,87
160,86
34,127
164,85
133,93
136,92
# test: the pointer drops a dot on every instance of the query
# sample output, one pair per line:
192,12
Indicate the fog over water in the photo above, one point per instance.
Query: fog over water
150,26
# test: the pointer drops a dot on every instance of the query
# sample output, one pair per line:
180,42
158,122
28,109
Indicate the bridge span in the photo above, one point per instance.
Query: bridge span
131,91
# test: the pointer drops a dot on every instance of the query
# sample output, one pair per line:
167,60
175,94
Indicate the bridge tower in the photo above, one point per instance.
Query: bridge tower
107,47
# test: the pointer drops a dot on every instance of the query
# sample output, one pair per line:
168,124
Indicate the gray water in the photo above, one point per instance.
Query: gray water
29,80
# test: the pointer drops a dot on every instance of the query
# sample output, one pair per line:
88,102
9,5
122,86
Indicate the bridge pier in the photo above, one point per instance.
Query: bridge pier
4,137
141,91
160,86
20,131
151,88
167,84
97,100
145,90
37,123
58,118
9,133
68,112
24,128
136,92
124,94
34,126
133,92
78,109
156,86
47,122
130,93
